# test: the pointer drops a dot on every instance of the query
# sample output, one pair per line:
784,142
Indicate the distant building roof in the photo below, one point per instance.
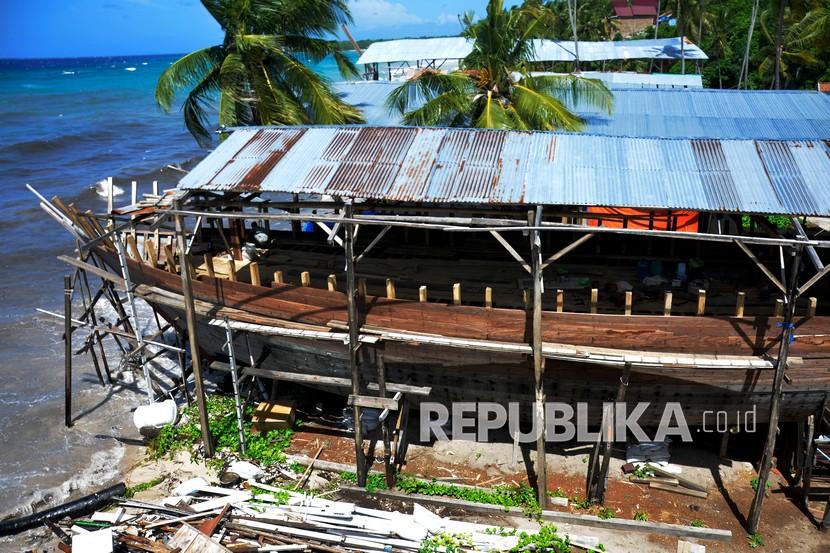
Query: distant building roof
630,79
395,51
475,166
635,8
665,113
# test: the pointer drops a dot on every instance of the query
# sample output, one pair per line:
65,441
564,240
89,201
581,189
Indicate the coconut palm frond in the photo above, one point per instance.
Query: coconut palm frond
574,90
197,105
427,86
544,112
494,115
447,109
186,72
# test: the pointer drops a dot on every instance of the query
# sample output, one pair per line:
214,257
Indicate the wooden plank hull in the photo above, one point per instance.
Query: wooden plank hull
465,375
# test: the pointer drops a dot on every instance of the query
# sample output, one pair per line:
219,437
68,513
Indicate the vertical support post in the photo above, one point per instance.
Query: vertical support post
754,518
456,293
133,192
701,302
331,283
739,304
67,351
387,445
253,266
811,307
488,297
628,301
535,220
362,287
109,203
390,288
278,278
209,265
560,301
594,298
305,279
779,308
354,336
190,317
667,304
422,294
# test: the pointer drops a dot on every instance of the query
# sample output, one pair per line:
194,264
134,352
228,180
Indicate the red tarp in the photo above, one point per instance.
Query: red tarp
644,219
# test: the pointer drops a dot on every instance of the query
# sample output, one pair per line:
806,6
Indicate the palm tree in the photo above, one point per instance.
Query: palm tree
258,74
494,88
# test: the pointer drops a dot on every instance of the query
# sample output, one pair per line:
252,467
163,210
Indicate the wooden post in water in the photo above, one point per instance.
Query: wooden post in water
754,518
354,336
190,316
67,351
109,203
535,219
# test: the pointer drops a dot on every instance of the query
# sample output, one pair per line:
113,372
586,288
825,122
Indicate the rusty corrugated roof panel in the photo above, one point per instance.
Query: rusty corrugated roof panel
438,165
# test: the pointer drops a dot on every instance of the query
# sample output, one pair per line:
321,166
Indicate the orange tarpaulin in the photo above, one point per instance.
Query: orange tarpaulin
644,219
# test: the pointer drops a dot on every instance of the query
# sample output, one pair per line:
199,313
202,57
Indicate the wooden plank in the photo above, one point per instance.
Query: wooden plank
593,300
92,269
169,259
667,304
701,303
373,402
305,279
560,301
328,380
231,269
685,482
390,289
677,489
688,547
739,304
811,307
488,297
591,521
628,300
253,266
132,247
331,283
152,256
422,294
278,277
209,265
456,293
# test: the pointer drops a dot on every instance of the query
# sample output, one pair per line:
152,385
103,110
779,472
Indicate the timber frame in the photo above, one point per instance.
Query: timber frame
347,216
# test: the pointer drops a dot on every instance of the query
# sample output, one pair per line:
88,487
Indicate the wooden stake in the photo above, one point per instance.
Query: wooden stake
701,302
253,266
390,288
628,301
560,301
811,308
422,294
594,298
156,232
488,298
456,293
779,308
525,298
132,247
534,218
209,265
331,283
190,316
362,287
739,304
67,350
354,334
170,259
109,203
231,269
278,278
133,193
667,304
152,256
305,279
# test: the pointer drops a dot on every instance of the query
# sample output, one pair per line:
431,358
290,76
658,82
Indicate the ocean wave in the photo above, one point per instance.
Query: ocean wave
45,145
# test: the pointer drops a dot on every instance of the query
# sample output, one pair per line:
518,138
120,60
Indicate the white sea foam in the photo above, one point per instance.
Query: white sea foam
129,69
102,188
67,72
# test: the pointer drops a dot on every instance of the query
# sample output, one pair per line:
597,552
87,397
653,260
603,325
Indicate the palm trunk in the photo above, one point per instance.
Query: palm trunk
656,29
572,16
744,75
779,38
682,18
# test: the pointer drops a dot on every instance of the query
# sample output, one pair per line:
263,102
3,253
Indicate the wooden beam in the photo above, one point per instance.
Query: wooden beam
354,337
372,244
190,317
754,518
779,308
538,359
253,267
567,249
328,380
701,303
67,350
331,283
488,297
305,279
422,294
231,268
132,247
811,306
152,255
739,304
390,289
169,259
628,301
560,301
362,287
511,250
593,300
815,278
97,271
760,265
456,293
667,304
373,402
209,265
278,277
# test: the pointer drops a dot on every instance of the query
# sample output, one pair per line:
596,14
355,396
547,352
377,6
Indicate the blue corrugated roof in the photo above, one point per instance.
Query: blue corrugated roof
475,166
666,113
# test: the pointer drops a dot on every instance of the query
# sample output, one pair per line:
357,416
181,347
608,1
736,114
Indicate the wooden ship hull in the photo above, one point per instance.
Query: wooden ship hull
469,353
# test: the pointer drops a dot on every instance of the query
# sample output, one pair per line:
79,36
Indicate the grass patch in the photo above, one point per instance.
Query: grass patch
132,490
755,482
546,539
264,448
446,542
754,541
642,516
605,513
697,523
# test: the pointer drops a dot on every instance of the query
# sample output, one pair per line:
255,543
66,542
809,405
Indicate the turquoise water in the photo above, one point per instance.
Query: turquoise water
67,124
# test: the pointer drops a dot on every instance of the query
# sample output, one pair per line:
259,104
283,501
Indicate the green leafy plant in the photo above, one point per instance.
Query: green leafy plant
546,539
581,504
642,516
558,492
445,542
605,513
643,472
697,523
755,482
132,490
754,541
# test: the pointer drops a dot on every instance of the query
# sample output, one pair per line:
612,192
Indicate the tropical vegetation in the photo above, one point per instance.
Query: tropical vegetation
259,74
494,86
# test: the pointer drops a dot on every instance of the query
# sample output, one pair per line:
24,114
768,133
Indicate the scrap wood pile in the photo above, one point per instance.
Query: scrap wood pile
660,479
253,517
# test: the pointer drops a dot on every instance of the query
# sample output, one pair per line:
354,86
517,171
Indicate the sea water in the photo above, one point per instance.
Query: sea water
67,124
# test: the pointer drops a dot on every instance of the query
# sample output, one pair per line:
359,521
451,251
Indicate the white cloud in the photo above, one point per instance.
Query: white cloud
446,19
371,14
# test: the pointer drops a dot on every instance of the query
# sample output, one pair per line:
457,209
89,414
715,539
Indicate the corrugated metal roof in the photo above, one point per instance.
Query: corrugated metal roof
395,51
629,79
441,165
665,113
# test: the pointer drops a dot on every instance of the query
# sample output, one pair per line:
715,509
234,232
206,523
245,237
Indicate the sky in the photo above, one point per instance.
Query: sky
77,28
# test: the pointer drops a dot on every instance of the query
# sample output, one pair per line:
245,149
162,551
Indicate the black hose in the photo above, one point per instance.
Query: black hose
77,507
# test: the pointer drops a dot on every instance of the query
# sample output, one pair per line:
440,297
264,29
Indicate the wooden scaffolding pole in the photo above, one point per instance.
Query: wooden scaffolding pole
67,352
354,332
190,316
754,518
534,218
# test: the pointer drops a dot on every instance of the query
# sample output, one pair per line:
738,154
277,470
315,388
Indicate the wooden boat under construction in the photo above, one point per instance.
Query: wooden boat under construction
466,298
